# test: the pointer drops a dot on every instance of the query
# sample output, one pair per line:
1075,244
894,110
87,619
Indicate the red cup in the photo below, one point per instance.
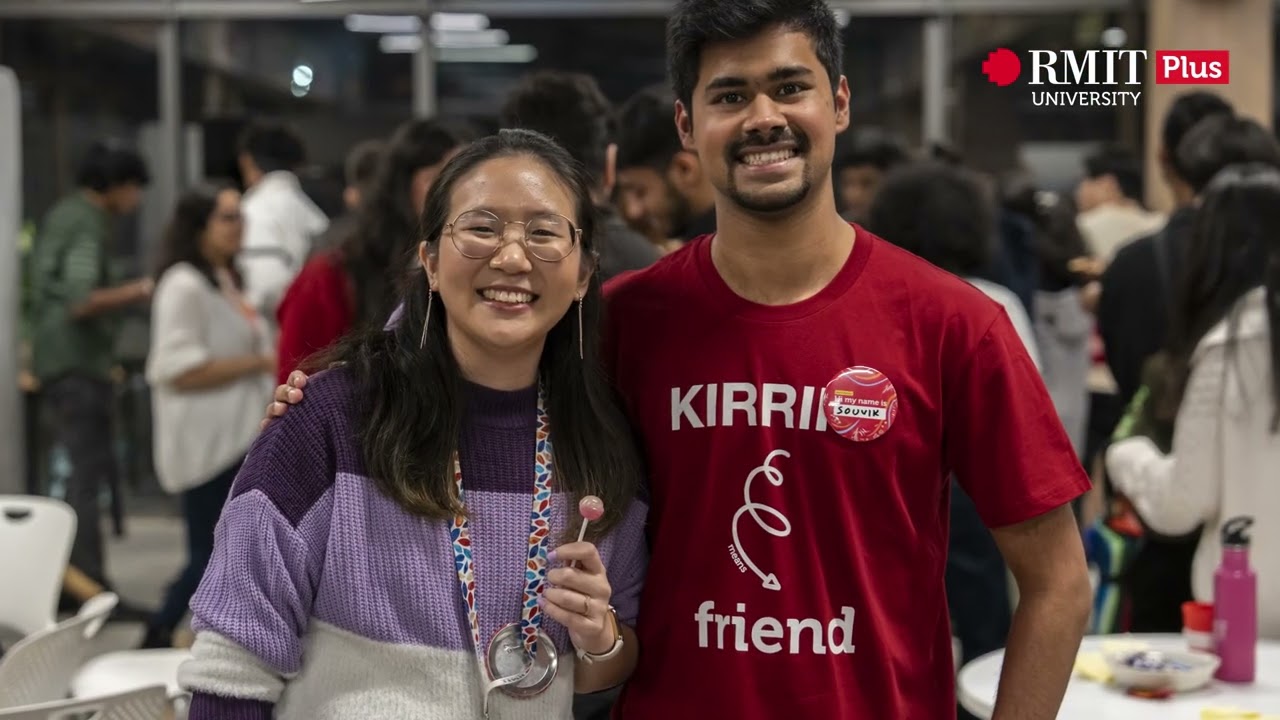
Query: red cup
1197,616
1197,626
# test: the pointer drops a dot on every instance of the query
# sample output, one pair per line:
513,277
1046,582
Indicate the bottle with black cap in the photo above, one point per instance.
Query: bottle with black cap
1235,605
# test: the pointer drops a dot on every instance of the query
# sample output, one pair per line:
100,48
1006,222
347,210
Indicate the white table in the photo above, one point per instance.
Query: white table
1089,700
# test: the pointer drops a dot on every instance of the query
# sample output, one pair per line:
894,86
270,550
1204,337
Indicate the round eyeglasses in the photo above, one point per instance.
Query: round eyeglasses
479,234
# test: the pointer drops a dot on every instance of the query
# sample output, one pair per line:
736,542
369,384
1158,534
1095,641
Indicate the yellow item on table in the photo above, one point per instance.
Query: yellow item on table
1234,714
1093,666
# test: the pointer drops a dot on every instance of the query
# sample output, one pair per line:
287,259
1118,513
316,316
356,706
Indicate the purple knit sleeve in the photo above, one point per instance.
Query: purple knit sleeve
213,707
626,558
256,597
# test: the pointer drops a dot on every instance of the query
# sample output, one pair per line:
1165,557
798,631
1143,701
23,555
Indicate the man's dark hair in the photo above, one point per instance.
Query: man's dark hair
647,135
1221,140
1185,112
1121,164
362,163
938,212
873,150
568,107
696,23
272,147
107,165
409,388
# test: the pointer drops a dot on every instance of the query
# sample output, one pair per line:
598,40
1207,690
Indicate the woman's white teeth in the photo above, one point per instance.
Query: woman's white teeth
769,157
507,296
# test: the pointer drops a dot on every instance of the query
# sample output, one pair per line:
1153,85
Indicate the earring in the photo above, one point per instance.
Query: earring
581,355
431,294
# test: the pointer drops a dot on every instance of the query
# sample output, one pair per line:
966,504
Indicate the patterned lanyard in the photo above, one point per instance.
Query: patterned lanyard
539,535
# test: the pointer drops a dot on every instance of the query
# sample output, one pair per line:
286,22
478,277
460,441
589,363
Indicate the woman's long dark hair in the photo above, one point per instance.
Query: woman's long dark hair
411,399
1234,248
386,232
181,241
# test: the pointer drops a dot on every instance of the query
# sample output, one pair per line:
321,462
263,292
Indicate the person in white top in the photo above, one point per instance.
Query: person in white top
210,368
1109,205
1224,366
281,222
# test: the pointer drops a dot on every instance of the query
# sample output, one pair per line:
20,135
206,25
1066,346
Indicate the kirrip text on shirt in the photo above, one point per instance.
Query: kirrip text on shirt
739,403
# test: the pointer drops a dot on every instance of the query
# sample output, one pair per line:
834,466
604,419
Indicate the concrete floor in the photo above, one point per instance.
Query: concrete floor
140,565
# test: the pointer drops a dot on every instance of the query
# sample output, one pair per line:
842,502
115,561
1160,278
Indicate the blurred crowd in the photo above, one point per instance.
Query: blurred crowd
1131,315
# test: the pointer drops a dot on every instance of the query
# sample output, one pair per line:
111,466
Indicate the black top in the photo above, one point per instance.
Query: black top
1133,313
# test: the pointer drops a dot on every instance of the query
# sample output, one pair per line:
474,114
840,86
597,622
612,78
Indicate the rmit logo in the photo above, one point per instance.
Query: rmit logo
1110,67
1002,66
1089,67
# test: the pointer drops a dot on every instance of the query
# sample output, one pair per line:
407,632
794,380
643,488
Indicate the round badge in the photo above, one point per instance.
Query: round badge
860,403
506,659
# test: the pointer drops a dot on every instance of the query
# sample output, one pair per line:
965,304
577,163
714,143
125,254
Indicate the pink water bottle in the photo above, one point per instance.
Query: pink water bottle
1235,605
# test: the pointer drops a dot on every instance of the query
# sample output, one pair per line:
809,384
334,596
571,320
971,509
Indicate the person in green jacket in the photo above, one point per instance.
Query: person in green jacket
75,305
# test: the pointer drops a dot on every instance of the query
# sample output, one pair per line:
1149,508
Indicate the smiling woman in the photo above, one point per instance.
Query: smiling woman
511,267
467,430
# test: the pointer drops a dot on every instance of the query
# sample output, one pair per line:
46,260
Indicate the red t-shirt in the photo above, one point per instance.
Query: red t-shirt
316,311
797,573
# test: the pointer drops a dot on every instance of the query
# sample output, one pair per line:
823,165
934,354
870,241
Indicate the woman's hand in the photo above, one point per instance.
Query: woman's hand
579,597
288,394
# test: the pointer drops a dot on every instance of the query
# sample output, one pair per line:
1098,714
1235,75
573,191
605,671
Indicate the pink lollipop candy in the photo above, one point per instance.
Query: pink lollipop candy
590,508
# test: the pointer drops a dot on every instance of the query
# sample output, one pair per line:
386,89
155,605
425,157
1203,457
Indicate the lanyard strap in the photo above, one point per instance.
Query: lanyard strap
539,536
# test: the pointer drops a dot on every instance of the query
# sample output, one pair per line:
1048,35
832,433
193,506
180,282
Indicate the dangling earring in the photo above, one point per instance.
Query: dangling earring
431,294
581,355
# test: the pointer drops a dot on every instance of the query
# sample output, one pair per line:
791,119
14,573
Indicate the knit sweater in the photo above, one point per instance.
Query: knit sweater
325,600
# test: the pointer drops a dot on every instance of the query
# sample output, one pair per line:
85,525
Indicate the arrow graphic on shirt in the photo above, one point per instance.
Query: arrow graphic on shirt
774,476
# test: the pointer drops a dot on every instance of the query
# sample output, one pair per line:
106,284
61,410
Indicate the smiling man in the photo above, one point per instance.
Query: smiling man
804,390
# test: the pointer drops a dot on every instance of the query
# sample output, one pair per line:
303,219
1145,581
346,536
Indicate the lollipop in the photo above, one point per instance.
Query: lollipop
590,508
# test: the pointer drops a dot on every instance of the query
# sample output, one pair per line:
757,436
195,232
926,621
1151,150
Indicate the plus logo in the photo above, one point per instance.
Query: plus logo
1002,66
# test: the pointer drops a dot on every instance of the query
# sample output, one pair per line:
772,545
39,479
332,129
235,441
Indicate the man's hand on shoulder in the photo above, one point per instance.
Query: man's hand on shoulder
288,394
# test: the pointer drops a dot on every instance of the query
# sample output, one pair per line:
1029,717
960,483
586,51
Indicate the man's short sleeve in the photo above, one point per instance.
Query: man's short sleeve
1004,440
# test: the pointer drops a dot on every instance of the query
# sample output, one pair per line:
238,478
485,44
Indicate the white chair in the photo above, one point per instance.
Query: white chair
144,704
35,546
129,670
39,667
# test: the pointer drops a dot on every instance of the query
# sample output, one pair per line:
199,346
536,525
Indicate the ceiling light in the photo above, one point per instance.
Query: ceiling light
302,76
399,44
1114,37
383,23
472,38
459,21
504,54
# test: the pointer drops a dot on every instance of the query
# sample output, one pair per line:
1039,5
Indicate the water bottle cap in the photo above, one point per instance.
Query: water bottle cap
1235,531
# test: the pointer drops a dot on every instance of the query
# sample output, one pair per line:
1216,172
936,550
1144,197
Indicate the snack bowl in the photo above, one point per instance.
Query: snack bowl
1180,671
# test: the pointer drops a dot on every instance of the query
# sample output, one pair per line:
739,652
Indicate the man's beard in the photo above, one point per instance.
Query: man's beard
773,203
